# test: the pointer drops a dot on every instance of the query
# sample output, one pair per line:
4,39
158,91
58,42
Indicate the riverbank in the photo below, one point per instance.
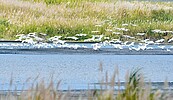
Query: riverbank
85,51
124,20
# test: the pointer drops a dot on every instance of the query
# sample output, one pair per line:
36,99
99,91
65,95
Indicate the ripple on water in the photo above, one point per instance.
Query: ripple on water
82,69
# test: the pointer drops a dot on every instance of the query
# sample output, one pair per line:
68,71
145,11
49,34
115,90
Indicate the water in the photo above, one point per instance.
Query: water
76,71
76,67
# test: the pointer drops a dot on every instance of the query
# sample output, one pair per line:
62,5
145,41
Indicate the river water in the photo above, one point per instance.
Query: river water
76,70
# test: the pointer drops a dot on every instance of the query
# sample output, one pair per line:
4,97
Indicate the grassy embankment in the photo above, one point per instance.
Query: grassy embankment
67,18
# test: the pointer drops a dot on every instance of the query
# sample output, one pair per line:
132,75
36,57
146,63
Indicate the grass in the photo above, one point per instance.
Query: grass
65,1
135,89
67,18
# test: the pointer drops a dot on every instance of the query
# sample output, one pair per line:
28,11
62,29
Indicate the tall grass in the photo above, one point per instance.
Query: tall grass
83,16
135,89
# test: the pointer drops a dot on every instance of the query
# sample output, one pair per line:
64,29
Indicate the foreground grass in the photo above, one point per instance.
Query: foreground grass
135,89
59,17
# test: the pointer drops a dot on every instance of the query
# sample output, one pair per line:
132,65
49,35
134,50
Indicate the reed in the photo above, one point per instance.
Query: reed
135,89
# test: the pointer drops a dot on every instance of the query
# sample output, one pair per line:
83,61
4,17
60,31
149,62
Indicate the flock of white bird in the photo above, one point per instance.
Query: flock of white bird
96,46
38,40
132,45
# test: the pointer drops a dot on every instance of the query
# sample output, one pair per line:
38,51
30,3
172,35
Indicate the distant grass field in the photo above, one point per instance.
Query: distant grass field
65,1
70,17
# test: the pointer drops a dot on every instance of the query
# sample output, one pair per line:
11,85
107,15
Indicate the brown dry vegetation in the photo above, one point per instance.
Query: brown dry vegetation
135,89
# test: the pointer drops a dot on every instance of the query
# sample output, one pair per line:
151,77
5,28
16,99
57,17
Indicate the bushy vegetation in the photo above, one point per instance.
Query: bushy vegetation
67,18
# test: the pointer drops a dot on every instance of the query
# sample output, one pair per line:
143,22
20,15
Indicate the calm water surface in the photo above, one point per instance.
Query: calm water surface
77,71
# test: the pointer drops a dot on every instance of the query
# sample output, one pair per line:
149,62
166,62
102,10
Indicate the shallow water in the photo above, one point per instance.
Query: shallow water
85,48
76,70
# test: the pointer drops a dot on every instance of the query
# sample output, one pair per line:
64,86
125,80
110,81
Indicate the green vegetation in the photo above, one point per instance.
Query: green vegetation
67,18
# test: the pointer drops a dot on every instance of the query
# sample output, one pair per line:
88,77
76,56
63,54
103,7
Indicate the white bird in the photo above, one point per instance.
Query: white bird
143,47
32,34
122,29
134,25
168,50
125,43
141,34
38,39
131,44
29,40
137,49
116,41
96,46
145,40
149,42
106,38
149,48
125,24
80,35
160,41
156,31
43,34
117,46
117,33
170,40
59,42
21,36
109,30
73,38
94,38
140,43
105,43
55,38
127,36
130,48
76,46
95,31
162,47
83,46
